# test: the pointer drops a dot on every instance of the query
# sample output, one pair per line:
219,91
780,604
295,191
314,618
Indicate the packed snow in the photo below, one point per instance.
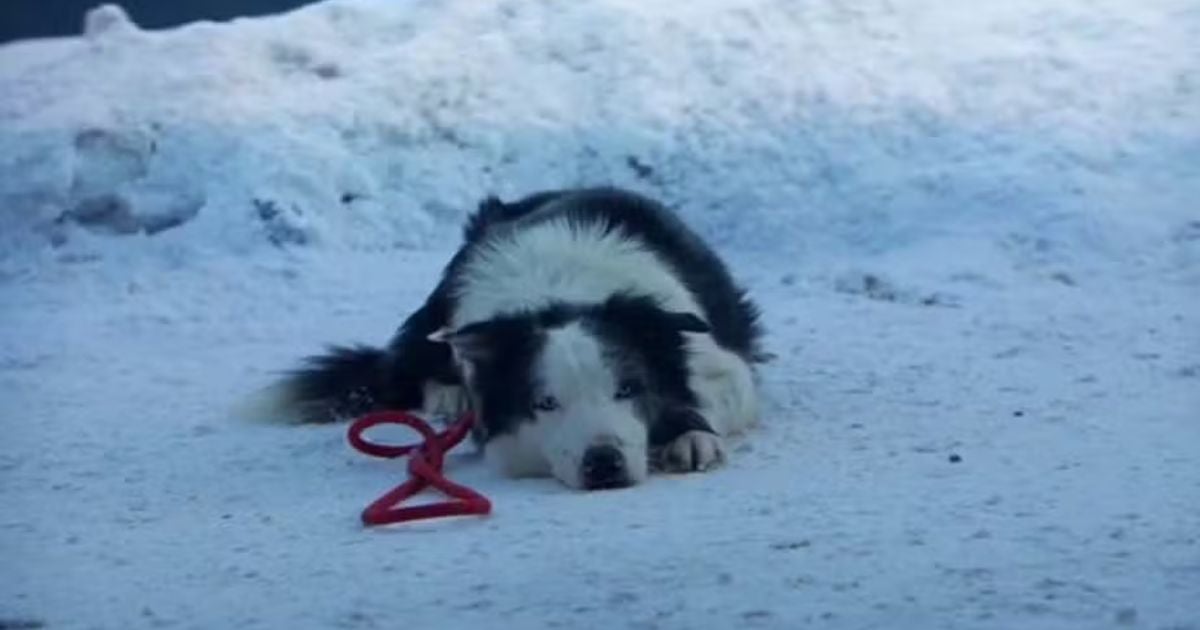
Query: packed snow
972,227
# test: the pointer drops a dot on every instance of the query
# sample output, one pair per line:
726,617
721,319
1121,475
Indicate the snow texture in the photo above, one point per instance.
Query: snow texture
973,228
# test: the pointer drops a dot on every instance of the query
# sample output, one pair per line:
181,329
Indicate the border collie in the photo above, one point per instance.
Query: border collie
592,333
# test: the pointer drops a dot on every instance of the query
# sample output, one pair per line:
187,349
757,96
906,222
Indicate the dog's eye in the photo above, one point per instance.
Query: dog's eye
629,388
546,403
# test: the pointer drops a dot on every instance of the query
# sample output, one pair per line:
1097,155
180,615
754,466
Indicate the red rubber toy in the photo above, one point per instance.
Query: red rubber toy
425,462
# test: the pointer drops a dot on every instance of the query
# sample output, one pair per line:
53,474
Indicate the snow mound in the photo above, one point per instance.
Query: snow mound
360,124
107,19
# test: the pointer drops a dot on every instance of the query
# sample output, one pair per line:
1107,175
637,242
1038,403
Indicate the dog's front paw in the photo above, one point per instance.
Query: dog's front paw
693,451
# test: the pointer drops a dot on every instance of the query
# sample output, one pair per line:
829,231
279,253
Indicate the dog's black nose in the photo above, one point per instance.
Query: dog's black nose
604,467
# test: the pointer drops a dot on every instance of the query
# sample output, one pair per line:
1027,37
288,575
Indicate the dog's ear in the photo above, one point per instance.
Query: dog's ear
688,322
486,340
469,342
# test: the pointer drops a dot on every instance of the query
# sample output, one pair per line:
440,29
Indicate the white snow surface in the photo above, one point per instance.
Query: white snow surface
972,227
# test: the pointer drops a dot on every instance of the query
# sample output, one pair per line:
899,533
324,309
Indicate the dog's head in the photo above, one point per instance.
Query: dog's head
573,390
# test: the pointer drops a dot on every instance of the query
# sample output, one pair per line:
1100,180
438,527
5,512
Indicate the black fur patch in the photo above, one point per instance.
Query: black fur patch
342,383
503,351
492,212
413,357
648,340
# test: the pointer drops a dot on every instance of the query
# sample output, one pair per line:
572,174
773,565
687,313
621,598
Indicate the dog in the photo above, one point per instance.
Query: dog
592,333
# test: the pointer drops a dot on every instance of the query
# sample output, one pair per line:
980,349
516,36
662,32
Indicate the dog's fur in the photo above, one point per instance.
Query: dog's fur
589,330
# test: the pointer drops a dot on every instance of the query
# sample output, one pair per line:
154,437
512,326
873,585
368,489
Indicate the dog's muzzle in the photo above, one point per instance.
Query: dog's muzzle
604,467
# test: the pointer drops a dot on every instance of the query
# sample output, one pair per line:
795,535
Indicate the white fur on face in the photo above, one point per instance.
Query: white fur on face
517,454
572,370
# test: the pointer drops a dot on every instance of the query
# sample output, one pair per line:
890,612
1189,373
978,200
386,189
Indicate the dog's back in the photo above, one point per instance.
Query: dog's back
616,240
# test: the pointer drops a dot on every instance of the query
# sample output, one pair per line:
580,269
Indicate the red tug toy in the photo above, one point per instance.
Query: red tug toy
425,462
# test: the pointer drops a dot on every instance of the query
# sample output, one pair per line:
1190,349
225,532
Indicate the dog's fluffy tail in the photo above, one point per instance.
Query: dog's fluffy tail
345,382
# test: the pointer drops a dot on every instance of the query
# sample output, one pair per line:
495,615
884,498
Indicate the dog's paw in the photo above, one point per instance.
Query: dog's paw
447,401
693,451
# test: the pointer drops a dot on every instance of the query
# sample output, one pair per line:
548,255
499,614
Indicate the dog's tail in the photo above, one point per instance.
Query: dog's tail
345,382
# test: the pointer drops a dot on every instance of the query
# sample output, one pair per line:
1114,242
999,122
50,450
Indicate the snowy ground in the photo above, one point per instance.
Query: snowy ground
973,230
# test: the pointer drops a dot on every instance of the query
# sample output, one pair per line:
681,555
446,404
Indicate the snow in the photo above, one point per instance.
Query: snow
972,227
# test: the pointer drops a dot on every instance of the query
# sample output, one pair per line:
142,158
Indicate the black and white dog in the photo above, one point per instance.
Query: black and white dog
591,332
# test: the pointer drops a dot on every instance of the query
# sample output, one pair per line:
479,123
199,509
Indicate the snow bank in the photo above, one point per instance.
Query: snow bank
964,426
776,124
